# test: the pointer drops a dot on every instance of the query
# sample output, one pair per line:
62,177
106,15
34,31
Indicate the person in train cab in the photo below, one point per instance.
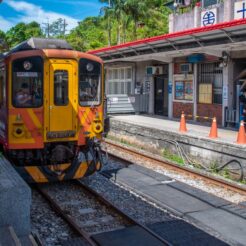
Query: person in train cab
23,97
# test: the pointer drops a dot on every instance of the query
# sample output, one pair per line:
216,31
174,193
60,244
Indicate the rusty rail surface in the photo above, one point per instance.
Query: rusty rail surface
122,213
105,202
64,216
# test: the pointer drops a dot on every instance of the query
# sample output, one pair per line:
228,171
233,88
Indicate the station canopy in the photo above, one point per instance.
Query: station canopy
211,40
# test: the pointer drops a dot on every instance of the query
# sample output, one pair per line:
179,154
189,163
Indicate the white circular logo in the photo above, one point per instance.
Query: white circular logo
27,65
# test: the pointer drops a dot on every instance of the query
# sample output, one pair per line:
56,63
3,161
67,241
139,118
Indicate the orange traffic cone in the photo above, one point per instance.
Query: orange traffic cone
182,127
214,129
241,138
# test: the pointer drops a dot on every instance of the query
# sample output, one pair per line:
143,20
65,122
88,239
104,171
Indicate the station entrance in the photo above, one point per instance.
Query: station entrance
161,95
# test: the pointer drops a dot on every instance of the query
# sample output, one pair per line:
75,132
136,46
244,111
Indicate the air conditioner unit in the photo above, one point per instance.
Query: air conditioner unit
186,68
154,70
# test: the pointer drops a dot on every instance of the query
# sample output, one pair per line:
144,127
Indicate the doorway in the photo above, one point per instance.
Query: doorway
161,95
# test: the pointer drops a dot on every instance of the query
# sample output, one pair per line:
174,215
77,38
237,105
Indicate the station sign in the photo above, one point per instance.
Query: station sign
209,17
240,10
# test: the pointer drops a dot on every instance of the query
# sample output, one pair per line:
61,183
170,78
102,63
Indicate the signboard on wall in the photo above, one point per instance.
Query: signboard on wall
225,92
209,17
240,10
146,87
205,93
170,87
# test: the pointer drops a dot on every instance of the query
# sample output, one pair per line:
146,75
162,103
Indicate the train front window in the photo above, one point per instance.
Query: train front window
61,87
89,82
27,86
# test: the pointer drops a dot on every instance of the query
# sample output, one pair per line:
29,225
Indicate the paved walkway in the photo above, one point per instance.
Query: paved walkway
227,136
212,214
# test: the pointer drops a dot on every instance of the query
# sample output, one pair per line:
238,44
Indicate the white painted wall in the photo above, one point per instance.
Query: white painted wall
192,19
227,96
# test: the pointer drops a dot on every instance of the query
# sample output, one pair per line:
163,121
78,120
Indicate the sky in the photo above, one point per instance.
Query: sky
42,11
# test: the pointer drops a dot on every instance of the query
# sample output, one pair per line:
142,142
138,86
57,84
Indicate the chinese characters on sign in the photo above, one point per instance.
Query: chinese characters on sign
240,10
209,17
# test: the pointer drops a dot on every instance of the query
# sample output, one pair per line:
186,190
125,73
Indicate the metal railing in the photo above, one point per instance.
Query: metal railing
230,116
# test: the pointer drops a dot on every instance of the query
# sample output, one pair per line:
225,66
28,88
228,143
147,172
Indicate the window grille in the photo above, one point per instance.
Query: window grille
211,74
119,81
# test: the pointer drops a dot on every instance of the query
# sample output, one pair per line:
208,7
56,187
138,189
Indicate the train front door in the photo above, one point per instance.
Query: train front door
62,98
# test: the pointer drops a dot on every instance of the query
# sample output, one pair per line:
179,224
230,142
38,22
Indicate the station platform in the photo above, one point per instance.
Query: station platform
158,134
214,215
195,130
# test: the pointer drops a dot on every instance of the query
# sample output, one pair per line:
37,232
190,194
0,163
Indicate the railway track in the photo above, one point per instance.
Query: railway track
206,177
125,225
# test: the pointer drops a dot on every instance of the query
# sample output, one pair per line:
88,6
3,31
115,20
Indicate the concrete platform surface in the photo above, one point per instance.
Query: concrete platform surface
130,236
206,210
226,136
179,232
15,199
227,224
8,237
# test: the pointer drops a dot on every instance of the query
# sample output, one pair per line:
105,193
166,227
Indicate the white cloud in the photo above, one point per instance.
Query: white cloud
30,12
5,24
78,3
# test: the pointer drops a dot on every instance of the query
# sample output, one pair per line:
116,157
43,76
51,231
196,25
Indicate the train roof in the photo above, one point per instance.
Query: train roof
39,44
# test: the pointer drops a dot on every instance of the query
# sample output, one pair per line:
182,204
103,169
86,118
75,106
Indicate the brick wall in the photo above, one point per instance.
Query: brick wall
178,107
210,110
205,110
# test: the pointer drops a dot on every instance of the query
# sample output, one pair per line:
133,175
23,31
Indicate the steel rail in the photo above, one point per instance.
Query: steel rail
122,213
64,216
104,201
164,163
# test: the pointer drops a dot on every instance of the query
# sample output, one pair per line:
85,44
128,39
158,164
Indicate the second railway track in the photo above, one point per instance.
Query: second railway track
95,219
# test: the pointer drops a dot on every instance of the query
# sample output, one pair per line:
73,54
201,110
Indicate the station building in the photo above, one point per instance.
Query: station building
198,68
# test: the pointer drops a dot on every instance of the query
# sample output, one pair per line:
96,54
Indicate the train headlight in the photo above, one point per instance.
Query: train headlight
89,67
18,132
97,127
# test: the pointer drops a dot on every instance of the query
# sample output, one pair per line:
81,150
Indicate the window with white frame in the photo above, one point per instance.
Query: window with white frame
119,81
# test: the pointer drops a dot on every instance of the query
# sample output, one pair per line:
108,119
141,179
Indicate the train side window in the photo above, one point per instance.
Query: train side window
89,82
27,86
61,87
2,86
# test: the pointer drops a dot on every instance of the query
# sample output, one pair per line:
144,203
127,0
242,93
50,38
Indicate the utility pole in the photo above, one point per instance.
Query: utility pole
109,25
47,28
64,27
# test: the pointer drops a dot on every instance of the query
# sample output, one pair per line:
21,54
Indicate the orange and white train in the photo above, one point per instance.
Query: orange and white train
51,110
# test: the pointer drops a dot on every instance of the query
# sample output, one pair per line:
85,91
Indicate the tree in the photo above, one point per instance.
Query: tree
137,10
16,34
33,29
57,28
132,19
119,14
22,32
108,15
89,34
3,43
